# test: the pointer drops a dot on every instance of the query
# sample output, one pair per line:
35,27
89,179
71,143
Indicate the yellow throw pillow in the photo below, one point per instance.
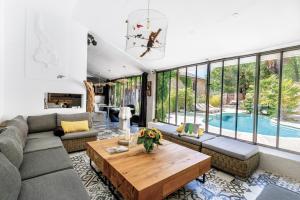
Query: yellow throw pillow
180,128
200,131
75,126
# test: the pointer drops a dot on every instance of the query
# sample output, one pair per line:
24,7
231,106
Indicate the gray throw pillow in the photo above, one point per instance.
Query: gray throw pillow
20,123
10,179
41,123
11,146
75,117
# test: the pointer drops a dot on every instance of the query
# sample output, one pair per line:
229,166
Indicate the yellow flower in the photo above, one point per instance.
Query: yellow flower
151,134
142,133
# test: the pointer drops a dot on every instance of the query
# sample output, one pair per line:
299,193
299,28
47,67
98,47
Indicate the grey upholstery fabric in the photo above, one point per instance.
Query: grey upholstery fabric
11,145
231,147
62,185
274,192
38,163
197,141
71,136
42,144
20,123
46,134
10,180
42,123
75,117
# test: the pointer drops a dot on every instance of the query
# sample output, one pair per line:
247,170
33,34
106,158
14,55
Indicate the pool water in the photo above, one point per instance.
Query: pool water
245,124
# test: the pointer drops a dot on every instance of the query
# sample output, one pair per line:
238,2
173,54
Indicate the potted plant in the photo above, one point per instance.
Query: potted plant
149,137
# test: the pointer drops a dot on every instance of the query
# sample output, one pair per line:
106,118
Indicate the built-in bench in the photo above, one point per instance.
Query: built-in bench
232,156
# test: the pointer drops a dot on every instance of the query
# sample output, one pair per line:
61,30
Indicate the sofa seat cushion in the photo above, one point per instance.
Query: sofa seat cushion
75,117
274,192
231,147
10,179
77,135
196,141
167,129
41,135
11,145
61,185
38,163
41,123
42,144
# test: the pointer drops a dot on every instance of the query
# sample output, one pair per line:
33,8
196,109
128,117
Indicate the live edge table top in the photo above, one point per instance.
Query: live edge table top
139,175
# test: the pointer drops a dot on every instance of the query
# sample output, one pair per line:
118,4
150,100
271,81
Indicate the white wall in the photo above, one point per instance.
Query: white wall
24,95
1,58
151,99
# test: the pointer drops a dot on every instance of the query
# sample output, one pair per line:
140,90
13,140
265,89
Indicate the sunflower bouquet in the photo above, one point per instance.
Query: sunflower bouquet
149,137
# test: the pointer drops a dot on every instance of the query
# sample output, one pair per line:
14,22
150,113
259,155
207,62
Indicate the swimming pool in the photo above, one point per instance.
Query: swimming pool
245,124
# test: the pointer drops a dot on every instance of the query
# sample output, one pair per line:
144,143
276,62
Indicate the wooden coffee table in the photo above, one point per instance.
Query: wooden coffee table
138,175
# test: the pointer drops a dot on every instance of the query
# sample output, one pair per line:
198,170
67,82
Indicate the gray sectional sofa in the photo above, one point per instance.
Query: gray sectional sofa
230,155
34,165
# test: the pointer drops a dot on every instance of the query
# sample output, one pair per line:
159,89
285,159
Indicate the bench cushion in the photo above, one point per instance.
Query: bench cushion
274,192
38,163
42,144
231,147
10,179
41,123
75,117
41,135
196,141
77,135
170,130
62,185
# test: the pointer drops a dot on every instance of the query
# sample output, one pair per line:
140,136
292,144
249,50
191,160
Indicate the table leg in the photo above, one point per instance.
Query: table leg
201,180
105,181
108,124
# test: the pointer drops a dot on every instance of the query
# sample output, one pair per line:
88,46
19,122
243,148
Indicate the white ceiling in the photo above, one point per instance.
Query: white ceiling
198,30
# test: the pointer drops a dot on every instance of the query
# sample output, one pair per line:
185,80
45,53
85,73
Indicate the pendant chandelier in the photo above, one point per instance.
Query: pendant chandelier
146,34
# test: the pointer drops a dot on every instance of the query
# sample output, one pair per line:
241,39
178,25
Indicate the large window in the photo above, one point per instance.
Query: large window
245,100
255,98
215,90
289,132
127,91
201,82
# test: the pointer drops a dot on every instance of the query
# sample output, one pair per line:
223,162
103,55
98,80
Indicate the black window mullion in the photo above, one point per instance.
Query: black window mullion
185,94
237,97
207,97
162,96
156,95
222,88
176,102
256,98
279,99
196,83
169,95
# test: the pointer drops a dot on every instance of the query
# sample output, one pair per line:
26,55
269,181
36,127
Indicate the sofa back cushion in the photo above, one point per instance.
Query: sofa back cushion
42,123
10,179
11,145
75,117
20,123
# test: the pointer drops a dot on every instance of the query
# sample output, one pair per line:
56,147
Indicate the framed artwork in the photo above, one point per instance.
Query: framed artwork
149,88
99,90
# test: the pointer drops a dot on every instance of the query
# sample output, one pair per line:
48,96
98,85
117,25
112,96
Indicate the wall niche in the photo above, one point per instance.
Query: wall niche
62,100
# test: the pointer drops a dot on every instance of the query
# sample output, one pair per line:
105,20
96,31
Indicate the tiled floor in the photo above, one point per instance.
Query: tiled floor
217,186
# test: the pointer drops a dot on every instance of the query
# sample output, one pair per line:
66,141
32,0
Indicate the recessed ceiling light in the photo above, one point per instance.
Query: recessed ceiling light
235,14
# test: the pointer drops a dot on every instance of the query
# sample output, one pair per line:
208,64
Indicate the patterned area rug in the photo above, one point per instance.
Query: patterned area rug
215,187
